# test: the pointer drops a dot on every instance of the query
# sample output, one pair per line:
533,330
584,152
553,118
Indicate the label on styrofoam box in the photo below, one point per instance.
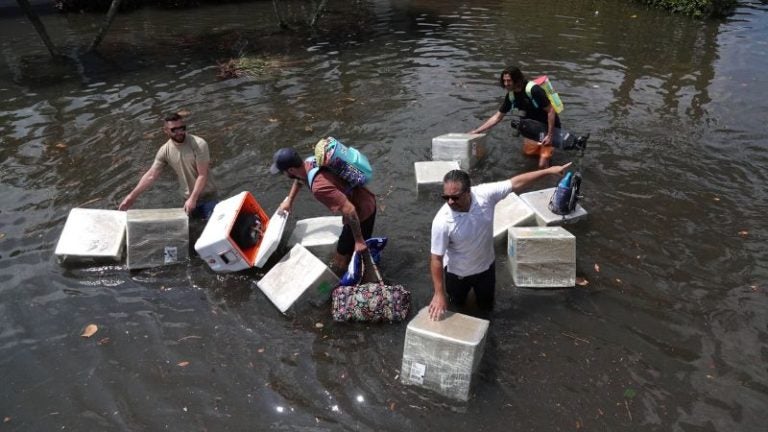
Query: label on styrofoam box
417,372
170,255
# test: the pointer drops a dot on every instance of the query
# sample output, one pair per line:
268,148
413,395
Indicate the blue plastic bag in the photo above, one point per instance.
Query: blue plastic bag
356,267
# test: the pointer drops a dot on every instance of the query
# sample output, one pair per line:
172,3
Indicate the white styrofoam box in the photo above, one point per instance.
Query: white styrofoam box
442,355
429,174
509,212
542,256
320,235
539,202
217,247
465,148
157,237
272,236
92,234
298,277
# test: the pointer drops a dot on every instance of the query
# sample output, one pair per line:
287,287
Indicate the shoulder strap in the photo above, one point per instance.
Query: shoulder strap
529,92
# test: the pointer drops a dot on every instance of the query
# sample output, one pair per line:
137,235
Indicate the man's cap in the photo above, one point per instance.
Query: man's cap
283,159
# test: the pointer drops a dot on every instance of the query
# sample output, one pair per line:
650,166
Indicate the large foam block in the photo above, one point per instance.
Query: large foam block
443,355
157,237
467,149
92,234
223,244
319,235
429,175
539,202
298,278
542,257
509,212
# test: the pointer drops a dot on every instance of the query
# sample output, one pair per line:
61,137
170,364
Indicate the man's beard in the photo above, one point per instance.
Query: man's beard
177,141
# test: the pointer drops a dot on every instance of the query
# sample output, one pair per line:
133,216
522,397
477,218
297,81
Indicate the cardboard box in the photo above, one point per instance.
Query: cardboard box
157,237
92,235
542,257
467,149
443,355
539,202
298,278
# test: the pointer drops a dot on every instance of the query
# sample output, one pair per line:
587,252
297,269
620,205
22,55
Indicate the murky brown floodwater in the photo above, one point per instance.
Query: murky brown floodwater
670,334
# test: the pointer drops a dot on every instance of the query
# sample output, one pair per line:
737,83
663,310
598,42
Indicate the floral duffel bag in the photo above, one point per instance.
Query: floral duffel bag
370,302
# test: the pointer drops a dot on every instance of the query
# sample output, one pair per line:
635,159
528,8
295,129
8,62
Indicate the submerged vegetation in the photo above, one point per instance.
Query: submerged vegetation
696,8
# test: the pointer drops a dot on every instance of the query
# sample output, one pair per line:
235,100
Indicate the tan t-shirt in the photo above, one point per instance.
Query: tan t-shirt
183,158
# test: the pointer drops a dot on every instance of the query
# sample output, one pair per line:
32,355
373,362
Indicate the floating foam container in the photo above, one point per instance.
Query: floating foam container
92,235
542,257
319,235
298,278
509,212
443,355
157,237
467,149
429,175
539,202
217,245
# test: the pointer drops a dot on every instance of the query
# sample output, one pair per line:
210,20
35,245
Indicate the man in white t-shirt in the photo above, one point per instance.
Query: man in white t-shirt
190,159
462,256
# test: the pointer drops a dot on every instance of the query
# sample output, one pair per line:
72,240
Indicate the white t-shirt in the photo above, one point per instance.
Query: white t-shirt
465,239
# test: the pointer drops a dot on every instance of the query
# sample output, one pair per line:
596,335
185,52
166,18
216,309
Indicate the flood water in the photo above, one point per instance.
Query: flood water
670,334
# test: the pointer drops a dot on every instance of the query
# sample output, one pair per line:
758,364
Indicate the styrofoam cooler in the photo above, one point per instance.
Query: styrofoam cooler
542,257
298,277
442,355
157,237
92,234
319,235
509,212
429,175
221,252
465,148
539,202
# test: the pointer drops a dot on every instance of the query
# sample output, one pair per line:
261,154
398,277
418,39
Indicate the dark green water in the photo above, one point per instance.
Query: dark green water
670,334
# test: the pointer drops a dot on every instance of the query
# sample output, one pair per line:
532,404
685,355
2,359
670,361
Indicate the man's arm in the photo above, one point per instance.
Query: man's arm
439,303
349,213
287,204
491,122
551,113
145,182
200,181
522,180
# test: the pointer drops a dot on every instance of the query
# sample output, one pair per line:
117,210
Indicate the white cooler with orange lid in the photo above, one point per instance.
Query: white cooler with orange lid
217,247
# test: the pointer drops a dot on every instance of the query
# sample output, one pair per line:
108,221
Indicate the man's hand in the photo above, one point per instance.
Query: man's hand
361,248
285,207
559,169
437,306
126,203
547,140
189,205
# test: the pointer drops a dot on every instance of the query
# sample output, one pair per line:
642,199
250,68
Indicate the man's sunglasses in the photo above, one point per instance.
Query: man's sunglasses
178,129
453,197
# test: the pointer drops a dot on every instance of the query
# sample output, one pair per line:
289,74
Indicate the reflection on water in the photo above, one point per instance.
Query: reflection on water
669,334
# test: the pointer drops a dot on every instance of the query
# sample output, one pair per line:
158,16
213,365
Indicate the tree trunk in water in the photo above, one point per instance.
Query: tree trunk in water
280,22
27,8
107,23
318,12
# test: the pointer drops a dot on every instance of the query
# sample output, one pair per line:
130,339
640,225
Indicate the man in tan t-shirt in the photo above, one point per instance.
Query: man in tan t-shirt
189,157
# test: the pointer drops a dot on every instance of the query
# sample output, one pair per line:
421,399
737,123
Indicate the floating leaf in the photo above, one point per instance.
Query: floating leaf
630,393
183,364
618,280
261,350
716,198
89,330
597,267
580,281
2,236
6,419
60,145
103,341
272,120
184,112
319,325
743,233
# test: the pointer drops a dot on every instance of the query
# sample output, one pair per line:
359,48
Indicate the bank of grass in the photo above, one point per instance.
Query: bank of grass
696,8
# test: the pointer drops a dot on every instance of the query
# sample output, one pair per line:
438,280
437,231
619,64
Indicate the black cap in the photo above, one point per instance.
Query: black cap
283,159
